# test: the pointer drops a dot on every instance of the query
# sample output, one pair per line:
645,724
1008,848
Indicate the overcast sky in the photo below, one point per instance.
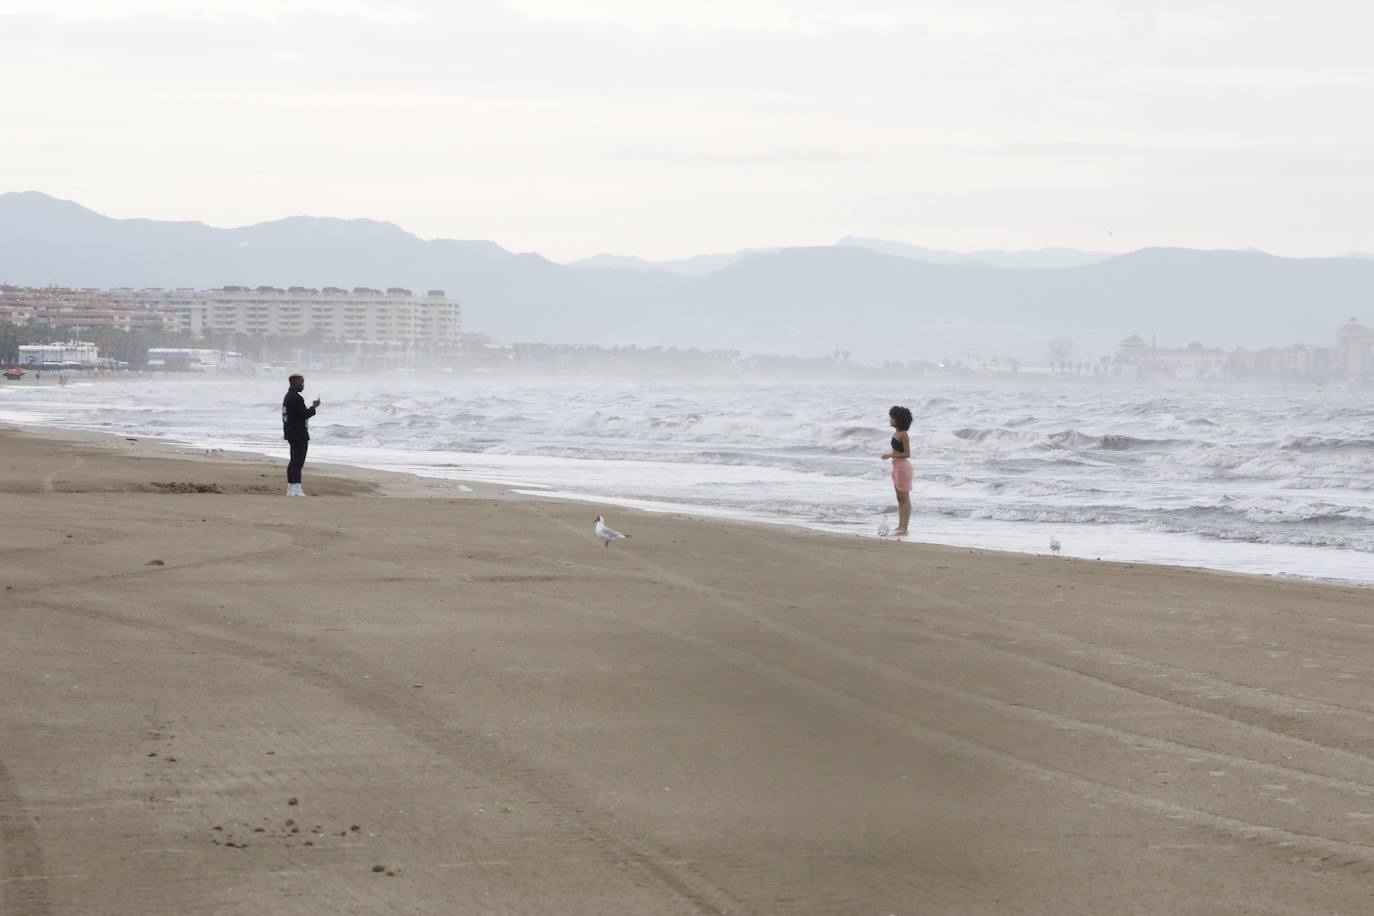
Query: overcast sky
665,129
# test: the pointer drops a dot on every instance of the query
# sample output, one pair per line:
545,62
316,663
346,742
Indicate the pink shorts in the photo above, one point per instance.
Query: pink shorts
901,474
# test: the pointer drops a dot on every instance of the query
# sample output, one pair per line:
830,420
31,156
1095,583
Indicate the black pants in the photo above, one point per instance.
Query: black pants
298,450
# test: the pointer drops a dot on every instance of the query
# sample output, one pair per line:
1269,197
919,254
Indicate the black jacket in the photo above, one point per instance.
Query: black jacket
295,417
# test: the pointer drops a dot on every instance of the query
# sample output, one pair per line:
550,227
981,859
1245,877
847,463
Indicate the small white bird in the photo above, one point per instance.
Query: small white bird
1054,546
883,530
607,534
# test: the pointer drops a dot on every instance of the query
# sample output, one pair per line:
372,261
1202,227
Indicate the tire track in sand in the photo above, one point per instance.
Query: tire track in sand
23,879
649,866
46,484
1073,645
1346,853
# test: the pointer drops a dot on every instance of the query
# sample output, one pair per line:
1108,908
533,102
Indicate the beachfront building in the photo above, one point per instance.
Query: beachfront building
1191,362
81,309
394,317
73,354
1298,361
185,359
1354,350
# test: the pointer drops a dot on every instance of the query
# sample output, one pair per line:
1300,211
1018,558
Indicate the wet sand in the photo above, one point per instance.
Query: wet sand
386,698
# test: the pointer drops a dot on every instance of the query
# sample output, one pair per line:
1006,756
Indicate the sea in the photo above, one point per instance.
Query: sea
1266,480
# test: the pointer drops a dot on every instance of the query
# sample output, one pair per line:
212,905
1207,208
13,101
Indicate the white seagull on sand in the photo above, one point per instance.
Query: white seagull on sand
1054,546
607,534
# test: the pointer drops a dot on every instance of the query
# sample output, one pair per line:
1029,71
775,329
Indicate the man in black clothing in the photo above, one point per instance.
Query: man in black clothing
295,424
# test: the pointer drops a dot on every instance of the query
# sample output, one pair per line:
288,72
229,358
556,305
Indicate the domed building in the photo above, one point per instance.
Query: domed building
1354,350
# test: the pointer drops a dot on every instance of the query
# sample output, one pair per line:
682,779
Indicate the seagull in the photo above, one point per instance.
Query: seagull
607,534
1054,546
883,530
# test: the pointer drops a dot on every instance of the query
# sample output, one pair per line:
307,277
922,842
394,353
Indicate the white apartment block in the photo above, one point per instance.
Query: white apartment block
1355,350
395,316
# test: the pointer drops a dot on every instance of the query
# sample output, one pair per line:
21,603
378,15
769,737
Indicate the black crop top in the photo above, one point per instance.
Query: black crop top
897,448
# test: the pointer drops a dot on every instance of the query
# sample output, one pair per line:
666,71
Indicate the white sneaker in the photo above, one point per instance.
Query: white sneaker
294,489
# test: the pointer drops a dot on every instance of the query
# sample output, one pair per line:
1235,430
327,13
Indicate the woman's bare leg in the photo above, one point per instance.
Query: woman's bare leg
903,511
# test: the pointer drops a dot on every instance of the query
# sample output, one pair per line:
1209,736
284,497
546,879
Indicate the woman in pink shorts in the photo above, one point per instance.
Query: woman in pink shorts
899,418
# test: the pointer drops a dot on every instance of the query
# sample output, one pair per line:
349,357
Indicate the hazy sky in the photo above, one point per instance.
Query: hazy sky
672,128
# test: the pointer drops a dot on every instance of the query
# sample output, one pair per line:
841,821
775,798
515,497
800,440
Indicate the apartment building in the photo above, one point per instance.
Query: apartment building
393,316
1355,350
1293,361
81,309
1191,362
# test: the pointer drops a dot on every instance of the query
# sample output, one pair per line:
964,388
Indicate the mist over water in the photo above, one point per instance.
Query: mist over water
1267,480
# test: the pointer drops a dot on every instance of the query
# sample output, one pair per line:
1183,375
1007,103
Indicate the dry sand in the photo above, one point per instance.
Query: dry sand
234,702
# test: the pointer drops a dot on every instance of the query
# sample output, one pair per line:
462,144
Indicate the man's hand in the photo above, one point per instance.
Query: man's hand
316,403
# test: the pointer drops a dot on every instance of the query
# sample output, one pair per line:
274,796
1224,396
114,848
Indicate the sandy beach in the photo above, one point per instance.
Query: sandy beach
395,697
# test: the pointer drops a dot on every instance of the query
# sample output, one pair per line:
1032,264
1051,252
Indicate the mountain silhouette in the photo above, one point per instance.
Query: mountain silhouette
1021,260
793,300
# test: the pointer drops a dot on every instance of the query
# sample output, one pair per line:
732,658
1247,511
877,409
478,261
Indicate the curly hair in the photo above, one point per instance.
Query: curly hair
903,417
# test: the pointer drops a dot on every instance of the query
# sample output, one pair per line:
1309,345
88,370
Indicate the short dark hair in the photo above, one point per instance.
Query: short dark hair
295,375
903,417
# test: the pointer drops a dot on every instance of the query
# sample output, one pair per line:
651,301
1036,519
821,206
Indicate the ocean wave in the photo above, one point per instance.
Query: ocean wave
1324,443
1226,464
1069,439
1259,535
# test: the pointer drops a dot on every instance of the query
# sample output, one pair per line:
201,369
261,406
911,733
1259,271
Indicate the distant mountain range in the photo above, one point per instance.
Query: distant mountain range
1018,260
894,303
707,263
690,267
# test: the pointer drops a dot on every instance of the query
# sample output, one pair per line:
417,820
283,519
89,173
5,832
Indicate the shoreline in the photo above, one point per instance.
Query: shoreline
435,484
230,702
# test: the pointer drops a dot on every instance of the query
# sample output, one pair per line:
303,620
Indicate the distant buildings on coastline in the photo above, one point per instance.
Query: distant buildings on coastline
1352,357
70,355
1355,350
235,327
395,317
195,359
362,314
80,310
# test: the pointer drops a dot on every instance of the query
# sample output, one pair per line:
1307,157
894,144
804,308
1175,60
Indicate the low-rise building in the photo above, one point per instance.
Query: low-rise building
73,354
1295,361
1191,362
186,359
